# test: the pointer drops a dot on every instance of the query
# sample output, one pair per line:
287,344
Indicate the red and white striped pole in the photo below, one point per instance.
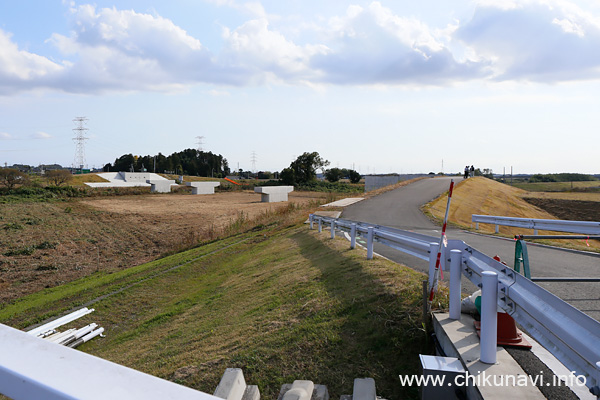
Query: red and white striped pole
439,254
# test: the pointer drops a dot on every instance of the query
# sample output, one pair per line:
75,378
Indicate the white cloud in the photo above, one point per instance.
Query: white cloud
538,40
41,135
5,136
263,53
128,50
122,50
20,69
373,45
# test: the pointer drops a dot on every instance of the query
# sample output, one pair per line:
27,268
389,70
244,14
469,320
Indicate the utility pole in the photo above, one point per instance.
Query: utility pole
79,140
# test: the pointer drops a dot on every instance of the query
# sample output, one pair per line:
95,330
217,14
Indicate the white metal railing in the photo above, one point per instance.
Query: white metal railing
581,227
570,335
33,368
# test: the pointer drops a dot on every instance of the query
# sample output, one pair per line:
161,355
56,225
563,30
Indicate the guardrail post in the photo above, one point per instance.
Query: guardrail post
311,218
333,229
455,287
476,226
497,228
535,231
353,236
433,249
370,234
320,225
489,318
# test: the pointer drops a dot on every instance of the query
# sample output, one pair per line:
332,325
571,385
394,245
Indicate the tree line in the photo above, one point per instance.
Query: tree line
562,177
187,162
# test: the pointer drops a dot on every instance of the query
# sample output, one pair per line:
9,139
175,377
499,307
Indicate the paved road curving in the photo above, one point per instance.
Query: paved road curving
400,208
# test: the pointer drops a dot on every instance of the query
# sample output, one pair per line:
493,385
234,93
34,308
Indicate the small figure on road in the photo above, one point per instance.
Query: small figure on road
472,171
466,172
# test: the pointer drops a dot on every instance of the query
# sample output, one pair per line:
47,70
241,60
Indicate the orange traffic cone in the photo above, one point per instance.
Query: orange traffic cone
508,334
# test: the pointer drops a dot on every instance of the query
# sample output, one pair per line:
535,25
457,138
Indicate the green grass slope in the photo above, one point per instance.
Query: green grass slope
280,303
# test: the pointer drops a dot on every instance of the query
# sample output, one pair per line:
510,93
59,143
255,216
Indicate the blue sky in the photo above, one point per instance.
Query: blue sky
381,86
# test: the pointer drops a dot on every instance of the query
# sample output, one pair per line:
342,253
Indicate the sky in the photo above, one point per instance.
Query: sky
377,86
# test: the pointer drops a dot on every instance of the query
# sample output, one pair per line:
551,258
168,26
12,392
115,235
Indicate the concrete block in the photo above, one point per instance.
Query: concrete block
300,390
203,187
251,393
274,194
160,186
232,385
364,389
135,176
320,393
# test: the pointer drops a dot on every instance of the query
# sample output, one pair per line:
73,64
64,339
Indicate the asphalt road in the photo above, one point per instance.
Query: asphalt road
400,208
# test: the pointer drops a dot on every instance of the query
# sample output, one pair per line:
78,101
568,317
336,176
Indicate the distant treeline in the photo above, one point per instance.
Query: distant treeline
186,162
563,177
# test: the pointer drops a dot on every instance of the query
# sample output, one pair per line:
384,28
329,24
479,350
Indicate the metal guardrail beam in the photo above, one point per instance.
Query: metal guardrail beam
570,335
32,368
581,227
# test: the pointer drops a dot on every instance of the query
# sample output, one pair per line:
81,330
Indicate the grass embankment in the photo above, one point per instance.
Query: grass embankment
282,303
488,197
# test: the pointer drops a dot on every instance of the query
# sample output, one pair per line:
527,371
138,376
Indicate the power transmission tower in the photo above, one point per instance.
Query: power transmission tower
253,161
200,142
79,140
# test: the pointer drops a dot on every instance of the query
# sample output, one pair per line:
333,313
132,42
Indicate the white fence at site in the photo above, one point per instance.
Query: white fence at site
570,335
581,227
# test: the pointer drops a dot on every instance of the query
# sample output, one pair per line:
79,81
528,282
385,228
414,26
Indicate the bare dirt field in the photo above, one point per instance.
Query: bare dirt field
194,213
576,210
45,244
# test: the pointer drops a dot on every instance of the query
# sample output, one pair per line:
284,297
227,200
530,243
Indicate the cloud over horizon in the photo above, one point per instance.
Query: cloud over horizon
109,49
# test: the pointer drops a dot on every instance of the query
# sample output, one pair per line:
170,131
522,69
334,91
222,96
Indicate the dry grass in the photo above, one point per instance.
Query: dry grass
79,180
484,196
574,196
46,244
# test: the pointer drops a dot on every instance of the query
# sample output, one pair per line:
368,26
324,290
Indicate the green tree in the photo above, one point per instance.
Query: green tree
306,165
10,177
124,163
334,174
58,176
287,176
353,176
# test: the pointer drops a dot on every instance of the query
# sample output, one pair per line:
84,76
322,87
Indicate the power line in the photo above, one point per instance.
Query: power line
79,140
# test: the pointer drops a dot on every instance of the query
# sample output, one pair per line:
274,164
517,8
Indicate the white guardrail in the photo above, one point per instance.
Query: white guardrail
581,227
570,335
